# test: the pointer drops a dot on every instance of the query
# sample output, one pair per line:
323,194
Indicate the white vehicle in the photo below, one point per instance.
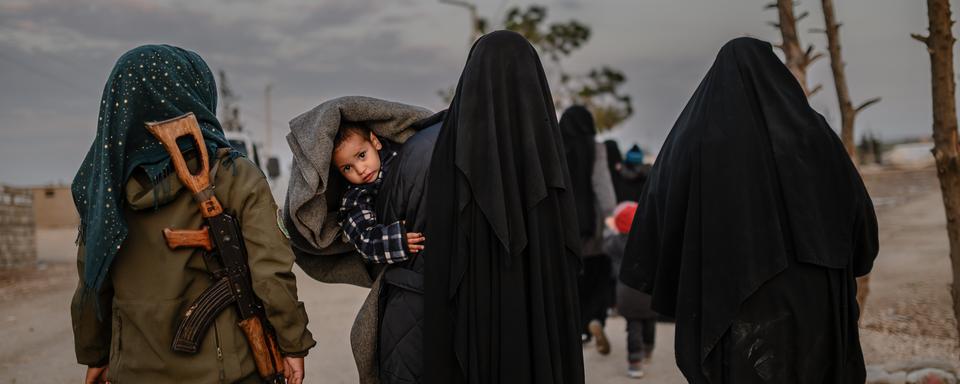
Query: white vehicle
270,166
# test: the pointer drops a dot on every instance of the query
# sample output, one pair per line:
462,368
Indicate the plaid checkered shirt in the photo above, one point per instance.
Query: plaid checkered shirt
377,243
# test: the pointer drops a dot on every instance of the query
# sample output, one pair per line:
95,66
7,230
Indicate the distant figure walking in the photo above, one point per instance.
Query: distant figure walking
632,304
632,175
594,199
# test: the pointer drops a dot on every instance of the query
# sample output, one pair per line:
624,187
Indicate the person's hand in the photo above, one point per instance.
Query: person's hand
293,369
611,223
96,375
414,241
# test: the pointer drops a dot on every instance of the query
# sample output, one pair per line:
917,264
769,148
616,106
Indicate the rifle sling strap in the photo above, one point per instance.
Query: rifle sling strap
207,193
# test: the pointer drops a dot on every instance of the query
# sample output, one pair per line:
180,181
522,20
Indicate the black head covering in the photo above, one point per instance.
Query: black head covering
749,177
501,300
614,156
614,165
578,131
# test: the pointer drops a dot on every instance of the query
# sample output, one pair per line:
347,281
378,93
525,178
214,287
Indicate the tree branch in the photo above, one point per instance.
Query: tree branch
815,57
817,30
815,89
921,38
460,4
867,104
809,56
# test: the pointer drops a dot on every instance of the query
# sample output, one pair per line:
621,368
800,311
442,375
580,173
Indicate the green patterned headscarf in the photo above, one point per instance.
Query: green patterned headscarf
148,83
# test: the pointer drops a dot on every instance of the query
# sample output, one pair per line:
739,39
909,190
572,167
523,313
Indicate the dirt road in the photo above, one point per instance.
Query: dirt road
908,313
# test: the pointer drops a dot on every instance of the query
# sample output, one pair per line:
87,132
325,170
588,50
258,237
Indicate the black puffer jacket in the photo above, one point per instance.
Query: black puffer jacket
403,197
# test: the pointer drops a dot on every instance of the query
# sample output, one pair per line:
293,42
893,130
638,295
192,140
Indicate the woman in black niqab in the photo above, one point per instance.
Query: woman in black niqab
614,164
500,281
614,156
578,133
751,229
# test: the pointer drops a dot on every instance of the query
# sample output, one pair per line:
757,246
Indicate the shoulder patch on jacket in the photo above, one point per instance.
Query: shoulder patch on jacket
283,229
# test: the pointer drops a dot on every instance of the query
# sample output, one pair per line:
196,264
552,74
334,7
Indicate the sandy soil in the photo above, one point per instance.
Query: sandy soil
908,314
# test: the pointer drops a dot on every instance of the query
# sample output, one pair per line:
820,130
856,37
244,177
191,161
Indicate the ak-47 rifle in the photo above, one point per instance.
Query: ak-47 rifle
224,254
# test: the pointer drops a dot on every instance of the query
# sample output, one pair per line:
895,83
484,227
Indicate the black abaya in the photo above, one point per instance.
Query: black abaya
578,132
614,163
595,282
501,299
751,229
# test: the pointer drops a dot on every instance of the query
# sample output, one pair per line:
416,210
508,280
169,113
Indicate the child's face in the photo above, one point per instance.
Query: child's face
357,159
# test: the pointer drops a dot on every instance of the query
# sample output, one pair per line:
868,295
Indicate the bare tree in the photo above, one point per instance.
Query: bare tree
940,47
599,89
797,59
848,113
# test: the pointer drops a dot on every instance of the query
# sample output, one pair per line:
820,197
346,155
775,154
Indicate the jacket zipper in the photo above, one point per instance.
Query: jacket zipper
216,331
119,332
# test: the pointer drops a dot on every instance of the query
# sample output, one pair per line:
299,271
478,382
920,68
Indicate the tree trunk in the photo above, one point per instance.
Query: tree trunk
797,59
847,114
940,46
791,42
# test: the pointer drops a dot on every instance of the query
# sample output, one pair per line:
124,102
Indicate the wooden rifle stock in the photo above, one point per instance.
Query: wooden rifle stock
168,131
262,341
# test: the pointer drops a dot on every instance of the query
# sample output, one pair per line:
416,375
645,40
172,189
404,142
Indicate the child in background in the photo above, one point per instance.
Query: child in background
632,304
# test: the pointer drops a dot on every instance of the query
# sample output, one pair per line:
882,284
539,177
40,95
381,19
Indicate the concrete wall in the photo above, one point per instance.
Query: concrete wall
18,244
53,207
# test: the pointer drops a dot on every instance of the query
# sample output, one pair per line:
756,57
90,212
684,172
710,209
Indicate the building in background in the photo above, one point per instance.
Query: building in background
53,207
18,245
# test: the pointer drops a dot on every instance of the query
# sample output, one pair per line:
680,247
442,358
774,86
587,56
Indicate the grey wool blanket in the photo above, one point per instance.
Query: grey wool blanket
313,195
313,198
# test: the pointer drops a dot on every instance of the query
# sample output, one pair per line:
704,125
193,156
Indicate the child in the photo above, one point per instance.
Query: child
135,288
357,156
632,304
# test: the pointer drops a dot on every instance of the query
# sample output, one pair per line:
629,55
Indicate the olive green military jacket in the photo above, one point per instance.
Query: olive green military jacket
150,286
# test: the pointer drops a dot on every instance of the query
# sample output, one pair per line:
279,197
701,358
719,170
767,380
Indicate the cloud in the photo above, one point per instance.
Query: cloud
108,25
329,15
55,56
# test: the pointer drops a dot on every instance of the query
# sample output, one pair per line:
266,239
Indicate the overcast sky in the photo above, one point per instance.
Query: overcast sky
55,57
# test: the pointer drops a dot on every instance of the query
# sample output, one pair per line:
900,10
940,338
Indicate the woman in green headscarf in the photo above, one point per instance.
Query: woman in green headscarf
133,290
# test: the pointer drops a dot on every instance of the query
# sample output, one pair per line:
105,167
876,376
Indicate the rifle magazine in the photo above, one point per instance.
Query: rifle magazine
200,316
